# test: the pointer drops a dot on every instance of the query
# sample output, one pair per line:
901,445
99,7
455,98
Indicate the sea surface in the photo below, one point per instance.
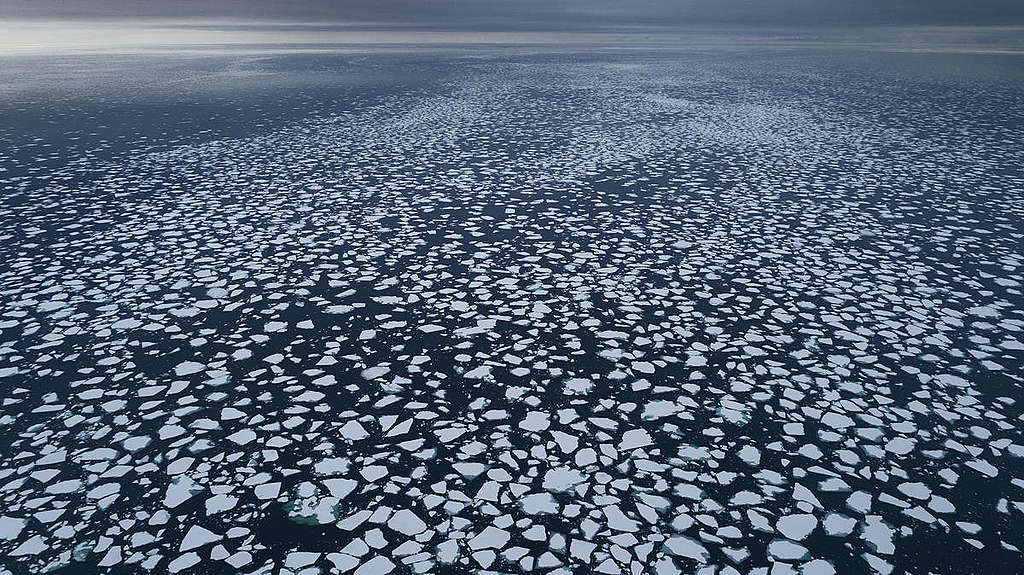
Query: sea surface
512,310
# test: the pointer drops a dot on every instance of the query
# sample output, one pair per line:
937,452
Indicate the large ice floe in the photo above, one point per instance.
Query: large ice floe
606,314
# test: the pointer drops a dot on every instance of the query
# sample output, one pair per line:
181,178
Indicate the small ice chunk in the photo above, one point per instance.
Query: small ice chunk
786,550
490,538
478,373
683,546
539,503
560,479
406,522
535,421
635,438
375,372
188,368
376,566
750,455
10,527
878,535
354,431
340,487
837,524
183,562
32,546
817,567
198,536
797,527
617,520
127,323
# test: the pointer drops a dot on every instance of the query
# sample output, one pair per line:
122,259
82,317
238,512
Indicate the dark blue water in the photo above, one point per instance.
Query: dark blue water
501,311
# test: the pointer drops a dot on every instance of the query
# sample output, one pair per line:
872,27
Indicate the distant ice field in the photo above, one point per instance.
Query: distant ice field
499,310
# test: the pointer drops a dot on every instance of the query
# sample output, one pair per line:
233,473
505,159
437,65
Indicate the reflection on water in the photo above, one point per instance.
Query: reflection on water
29,37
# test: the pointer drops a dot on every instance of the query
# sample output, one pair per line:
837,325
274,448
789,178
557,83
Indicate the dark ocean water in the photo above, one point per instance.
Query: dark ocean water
508,310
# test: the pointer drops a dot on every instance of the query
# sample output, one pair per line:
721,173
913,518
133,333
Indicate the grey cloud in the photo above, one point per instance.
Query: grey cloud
544,14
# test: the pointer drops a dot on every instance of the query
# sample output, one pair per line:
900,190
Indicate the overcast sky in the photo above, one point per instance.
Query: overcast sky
541,14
